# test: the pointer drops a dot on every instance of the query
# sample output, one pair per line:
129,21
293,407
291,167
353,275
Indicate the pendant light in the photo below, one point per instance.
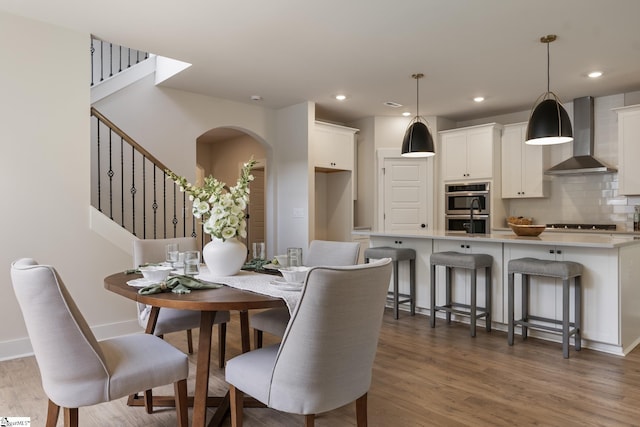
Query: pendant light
417,140
549,122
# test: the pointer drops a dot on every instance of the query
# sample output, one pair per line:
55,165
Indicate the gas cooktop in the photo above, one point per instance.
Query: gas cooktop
583,226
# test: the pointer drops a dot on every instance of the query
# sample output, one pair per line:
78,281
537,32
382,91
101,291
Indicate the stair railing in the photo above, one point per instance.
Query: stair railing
108,59
130,186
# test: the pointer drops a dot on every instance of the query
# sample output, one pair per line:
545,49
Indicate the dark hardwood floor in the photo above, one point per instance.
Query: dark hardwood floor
422,377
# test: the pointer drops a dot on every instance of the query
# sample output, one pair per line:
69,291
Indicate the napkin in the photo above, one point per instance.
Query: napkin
256,264
178,285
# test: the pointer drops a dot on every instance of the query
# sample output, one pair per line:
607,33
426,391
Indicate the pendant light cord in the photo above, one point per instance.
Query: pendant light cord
548,68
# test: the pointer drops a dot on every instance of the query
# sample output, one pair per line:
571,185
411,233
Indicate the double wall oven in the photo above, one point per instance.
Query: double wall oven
462,200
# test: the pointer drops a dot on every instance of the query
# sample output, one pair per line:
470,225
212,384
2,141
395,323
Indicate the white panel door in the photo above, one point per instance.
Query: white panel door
405,195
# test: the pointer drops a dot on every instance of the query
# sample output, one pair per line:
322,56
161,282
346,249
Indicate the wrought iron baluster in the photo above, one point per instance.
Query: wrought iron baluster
174,220
155,205
92,50
144,197
133,191
122,181
101,60
120,59
99,167
110,174
110,59
164,203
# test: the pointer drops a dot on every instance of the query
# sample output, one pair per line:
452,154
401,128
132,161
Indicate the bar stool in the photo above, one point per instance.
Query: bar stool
397,255
471,262
563,270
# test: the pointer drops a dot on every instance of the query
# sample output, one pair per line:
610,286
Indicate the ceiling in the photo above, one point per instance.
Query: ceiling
291,51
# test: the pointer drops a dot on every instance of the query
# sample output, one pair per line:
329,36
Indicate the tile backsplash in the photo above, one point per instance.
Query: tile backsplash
589,198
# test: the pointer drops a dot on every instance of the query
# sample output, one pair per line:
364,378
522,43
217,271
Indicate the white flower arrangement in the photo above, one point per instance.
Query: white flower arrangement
221,212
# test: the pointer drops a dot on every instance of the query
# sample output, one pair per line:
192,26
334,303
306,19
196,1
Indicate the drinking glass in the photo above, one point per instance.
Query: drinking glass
258,250
294,257
173,253
191,263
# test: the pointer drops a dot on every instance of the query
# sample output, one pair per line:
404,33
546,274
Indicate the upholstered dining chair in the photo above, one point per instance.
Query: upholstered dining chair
172,320
77,370
321,252
326,356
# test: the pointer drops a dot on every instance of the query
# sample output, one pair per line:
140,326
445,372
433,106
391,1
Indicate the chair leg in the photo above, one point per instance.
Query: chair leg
236,400
53,411
182,407
361,411
309,420
257,338
189,341
222,343
148,401
70,417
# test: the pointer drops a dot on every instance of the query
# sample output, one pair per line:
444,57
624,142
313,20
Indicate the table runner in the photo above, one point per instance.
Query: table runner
254,282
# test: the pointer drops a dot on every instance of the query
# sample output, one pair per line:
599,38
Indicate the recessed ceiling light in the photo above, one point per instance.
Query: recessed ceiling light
256,98
341,97
406,113
595,74
478,98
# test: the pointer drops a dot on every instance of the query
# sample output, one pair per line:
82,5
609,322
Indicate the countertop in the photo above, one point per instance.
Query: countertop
546,238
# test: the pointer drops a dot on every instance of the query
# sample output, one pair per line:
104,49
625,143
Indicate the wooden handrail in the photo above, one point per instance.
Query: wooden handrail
128,139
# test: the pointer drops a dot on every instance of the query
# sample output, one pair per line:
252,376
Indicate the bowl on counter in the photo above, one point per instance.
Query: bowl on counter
527,230
294,274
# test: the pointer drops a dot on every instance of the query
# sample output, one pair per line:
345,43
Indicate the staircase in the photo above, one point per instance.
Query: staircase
129,185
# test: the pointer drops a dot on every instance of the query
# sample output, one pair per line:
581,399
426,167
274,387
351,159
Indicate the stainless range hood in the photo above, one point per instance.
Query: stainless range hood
582,161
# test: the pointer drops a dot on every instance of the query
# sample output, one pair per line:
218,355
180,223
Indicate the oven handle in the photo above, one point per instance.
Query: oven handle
466,193
479,216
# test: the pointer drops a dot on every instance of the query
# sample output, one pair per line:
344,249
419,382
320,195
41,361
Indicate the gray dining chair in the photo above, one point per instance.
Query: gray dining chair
77,370
326,356
171,320
321,252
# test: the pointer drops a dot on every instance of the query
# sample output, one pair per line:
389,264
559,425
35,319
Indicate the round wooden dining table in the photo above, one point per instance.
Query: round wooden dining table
207,302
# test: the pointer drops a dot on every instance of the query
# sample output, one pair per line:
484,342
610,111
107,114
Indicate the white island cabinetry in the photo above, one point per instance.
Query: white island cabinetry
610,290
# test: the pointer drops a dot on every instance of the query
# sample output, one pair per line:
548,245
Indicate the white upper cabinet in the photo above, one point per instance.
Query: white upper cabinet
628,150
470,153
333,147
522,165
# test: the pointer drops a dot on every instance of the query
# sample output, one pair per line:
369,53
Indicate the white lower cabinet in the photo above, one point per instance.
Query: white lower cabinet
461,278
600,295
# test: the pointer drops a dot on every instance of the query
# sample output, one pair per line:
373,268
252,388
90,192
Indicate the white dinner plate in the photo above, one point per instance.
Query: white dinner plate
286,286
271,266
141,283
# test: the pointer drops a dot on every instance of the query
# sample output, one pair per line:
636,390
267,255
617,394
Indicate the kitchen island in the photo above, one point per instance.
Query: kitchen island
610,281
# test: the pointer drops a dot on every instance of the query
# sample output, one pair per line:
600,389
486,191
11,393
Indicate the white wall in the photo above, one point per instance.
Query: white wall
44,175
45,132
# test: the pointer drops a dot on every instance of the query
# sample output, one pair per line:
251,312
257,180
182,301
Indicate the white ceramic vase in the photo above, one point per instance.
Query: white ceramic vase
224,258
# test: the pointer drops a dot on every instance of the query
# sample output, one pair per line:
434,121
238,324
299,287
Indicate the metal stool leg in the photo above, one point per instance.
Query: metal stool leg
448,292
473,305
565,318
510,315
487,298
432,297
525,305
578,313
412,285
396,310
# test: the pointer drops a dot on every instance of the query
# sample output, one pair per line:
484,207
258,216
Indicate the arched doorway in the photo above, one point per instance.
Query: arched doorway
221,152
